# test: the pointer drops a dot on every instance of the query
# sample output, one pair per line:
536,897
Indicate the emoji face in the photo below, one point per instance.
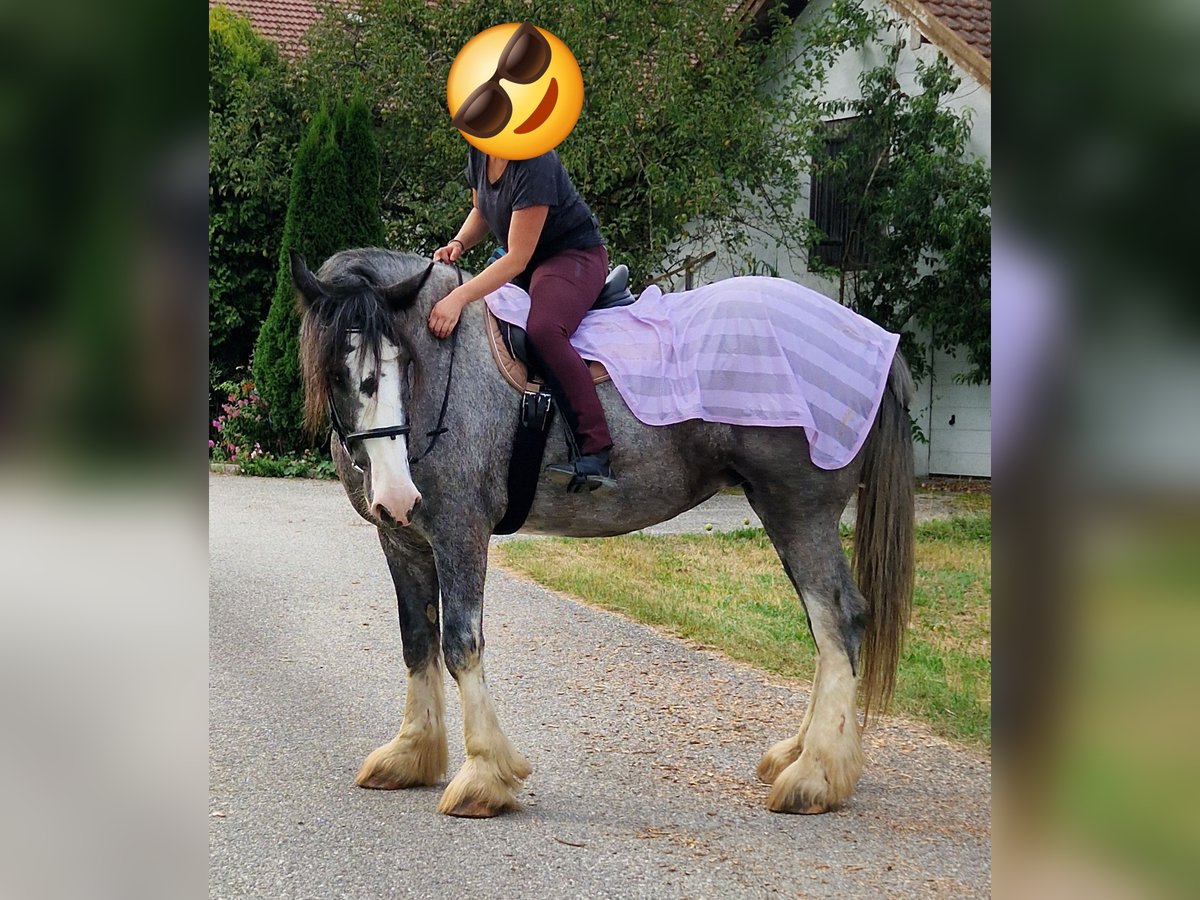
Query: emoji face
515,91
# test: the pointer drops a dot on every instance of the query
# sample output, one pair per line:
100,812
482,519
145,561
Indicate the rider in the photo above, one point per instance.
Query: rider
555,252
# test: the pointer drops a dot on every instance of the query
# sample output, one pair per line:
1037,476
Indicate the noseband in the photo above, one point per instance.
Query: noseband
393,431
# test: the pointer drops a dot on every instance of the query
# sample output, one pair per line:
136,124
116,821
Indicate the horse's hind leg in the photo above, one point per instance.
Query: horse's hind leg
783,753
817,769
417,755
494,771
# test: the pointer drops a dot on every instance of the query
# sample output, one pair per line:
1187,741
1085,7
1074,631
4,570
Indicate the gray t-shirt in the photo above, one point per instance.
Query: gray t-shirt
541,181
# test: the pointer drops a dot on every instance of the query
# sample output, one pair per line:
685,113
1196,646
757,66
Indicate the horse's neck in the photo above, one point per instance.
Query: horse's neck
475,375
473,357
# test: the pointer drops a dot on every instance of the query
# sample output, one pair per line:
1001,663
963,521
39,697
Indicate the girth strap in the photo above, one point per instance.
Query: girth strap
525,464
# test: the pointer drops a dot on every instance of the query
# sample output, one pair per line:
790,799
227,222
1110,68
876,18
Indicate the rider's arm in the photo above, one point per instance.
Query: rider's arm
523,233
474,229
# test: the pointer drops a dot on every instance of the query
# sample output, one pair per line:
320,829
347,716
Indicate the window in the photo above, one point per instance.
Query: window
841,244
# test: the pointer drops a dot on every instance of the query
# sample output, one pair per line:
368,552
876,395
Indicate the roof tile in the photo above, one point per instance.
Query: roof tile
283,21
971,19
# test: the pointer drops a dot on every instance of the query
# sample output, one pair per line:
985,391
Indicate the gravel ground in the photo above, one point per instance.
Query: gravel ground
643,747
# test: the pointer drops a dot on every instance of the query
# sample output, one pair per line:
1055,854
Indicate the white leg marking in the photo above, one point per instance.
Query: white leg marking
494,771
830,761
417,755
783,753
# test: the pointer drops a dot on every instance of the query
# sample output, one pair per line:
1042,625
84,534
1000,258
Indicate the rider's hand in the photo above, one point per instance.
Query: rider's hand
450,253
444,315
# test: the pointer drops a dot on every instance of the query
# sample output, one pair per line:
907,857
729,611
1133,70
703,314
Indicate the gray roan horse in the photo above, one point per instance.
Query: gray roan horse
369,359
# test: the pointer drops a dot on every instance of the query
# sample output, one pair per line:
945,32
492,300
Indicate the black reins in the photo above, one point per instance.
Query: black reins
394,431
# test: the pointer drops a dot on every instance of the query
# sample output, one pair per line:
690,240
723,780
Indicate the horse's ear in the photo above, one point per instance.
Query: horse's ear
402,294
304,280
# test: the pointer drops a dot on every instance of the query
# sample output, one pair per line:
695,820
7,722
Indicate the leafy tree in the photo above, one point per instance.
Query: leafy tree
919,203
334,205
673,123
253,131
700,128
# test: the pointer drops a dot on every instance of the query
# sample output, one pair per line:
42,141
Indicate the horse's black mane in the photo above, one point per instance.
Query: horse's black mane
351,309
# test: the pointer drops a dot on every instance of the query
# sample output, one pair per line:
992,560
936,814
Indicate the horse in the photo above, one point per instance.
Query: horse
421,441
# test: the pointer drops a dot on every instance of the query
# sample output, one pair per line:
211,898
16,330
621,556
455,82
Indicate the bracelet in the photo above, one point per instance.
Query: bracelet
457,241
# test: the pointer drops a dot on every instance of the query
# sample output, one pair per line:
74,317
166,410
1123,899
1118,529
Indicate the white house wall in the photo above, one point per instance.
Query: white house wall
960,423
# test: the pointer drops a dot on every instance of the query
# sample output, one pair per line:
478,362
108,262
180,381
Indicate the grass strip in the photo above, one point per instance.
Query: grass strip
728,591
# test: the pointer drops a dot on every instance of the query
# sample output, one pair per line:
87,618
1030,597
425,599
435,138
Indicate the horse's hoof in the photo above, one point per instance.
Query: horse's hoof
473,809
814,784
381,780
403,764
376,781
388,781
485,787
815,809
797,804
781,755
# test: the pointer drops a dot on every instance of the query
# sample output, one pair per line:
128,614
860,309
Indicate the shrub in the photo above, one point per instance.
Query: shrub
309,464
253,131
239,430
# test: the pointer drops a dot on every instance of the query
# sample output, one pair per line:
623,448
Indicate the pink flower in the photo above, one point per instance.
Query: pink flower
211,443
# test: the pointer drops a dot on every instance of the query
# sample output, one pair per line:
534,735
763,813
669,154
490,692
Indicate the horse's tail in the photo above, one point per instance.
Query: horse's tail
883,538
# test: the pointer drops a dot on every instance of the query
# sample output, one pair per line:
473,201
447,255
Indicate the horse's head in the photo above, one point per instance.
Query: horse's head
360,368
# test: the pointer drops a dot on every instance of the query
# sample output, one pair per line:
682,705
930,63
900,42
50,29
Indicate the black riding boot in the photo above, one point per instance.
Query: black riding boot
584,472
588,472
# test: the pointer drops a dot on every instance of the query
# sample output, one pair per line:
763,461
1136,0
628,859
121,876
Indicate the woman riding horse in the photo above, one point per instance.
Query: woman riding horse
555,252
372,366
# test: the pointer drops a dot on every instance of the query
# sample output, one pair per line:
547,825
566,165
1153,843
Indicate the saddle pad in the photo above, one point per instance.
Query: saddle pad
516,372
744,351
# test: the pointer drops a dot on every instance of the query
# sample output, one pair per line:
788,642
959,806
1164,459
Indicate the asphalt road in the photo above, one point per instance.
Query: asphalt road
643,747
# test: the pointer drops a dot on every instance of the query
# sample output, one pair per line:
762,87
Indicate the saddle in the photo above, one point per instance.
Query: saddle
510,344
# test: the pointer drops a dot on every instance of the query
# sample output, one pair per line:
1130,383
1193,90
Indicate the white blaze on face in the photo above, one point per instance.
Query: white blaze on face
392,490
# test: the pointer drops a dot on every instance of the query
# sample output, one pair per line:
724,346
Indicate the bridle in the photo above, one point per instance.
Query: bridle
393,431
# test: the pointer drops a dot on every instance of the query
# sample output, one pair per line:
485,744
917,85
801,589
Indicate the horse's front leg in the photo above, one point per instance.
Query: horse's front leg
417,755
494,771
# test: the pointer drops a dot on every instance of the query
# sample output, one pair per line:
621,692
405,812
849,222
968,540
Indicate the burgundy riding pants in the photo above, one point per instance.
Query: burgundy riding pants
562,289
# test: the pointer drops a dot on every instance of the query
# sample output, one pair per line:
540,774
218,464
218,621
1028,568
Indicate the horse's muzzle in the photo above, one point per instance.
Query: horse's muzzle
395,511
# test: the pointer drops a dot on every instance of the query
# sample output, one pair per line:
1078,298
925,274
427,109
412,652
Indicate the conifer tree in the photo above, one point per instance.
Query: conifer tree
334,205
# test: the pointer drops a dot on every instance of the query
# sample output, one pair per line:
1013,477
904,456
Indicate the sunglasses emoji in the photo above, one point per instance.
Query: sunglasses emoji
515,91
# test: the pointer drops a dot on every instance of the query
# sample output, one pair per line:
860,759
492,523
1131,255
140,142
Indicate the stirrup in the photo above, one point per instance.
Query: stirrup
576,482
